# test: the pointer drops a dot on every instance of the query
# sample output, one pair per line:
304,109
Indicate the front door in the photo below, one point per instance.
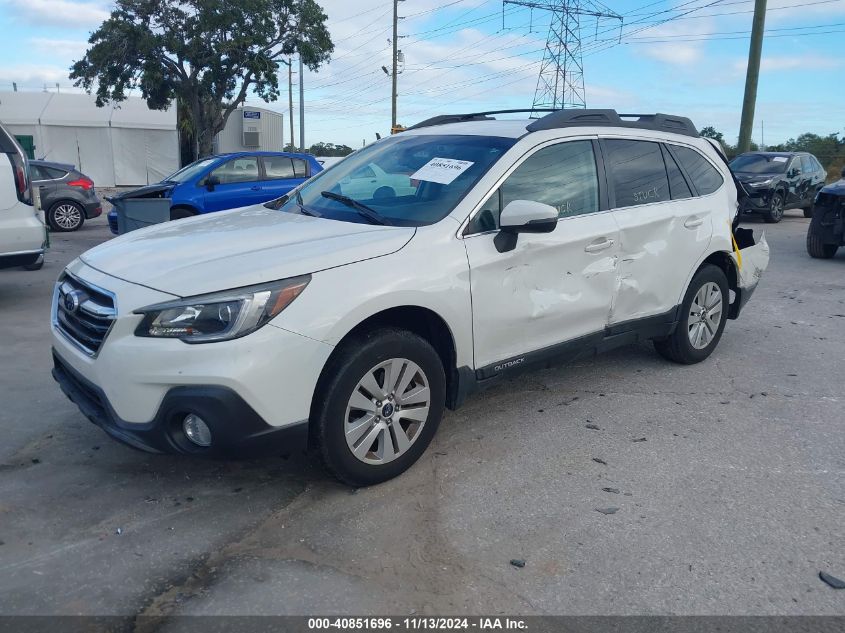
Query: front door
552,288
237,183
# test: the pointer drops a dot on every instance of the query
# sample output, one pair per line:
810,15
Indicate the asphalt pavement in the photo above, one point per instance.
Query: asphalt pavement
728,478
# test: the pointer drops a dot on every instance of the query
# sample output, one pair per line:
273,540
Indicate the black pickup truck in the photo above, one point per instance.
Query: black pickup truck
827,228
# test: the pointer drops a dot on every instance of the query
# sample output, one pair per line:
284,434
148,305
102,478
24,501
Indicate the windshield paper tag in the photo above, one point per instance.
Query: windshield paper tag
442,170
779,159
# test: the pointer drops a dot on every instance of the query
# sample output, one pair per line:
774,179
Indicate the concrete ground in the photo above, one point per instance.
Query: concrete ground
730,478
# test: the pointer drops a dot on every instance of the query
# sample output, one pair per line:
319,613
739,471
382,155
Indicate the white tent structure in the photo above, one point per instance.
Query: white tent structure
119,144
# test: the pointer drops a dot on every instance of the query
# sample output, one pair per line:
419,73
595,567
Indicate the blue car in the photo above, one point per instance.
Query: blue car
227,181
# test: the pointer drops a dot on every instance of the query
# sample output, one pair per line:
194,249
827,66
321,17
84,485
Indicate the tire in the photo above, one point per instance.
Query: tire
180,213
775,212
693,341
38,264
384,192
66,216
816,248
340,427
808,211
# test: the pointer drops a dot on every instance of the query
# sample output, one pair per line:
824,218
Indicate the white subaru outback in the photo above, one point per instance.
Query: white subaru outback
347,325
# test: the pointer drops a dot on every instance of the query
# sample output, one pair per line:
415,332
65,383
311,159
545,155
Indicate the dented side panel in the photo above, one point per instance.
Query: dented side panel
661,244
551,288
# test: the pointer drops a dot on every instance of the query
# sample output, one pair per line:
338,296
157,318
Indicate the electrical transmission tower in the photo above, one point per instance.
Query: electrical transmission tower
561,80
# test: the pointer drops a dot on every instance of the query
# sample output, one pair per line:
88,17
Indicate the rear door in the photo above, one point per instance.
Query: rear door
281,174
237,184
664,227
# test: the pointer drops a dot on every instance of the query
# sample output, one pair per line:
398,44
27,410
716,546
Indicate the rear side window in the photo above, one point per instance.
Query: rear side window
300,168
51,173
277,167
678,186
636,172
705,178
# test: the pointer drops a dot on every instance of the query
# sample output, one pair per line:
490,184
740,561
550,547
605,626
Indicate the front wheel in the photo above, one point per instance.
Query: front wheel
703,316
180,213
808,211
379,406
775,212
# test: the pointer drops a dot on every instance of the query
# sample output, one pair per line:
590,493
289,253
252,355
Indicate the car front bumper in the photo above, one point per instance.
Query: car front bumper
134,387
236,429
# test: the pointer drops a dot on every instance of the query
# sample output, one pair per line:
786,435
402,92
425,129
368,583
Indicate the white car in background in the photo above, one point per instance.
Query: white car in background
347,323
371,181
23,236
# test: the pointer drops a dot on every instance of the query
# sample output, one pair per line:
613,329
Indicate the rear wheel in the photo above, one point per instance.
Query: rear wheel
65,216
379,406
703,315
775,211
808,211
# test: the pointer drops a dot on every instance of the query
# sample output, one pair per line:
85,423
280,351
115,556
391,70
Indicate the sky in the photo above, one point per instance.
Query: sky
685,57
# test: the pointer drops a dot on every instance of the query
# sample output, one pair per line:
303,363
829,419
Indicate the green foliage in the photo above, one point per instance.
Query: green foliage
329,149
206,53
710,132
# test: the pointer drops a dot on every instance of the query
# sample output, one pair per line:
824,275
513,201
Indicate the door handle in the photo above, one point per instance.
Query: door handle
595,247
693,222
255,188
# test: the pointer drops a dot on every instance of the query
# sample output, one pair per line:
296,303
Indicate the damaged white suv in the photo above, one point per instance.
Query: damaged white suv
348,324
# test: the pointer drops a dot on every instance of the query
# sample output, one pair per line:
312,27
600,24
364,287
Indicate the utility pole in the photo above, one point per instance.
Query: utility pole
289,64
751,76
301,108
393,75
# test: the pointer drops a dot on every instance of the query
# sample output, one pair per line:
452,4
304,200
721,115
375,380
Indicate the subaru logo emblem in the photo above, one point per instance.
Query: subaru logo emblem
72,301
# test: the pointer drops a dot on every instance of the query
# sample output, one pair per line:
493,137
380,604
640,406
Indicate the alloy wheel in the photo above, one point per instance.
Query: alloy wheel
67,216
776,210
387,411
705,315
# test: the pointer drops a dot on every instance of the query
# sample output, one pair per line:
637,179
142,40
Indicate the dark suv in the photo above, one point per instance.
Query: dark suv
826,232
67,195
776,181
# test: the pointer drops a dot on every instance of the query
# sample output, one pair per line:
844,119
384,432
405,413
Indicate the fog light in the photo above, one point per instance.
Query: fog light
196,430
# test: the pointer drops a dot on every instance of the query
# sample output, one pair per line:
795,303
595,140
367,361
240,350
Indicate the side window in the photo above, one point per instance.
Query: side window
37,172
364,172
277,167
705,177
678,187
807,164
53,173
637,172
300,168
562,176
237,170
817,164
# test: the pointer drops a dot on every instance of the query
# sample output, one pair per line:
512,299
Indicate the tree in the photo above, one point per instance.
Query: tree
329,149
710,132
208,54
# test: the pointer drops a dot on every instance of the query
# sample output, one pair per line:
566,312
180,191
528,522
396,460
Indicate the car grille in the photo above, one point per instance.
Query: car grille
83,313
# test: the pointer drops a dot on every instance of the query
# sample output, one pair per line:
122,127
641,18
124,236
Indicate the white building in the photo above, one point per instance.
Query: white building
119,144
251,129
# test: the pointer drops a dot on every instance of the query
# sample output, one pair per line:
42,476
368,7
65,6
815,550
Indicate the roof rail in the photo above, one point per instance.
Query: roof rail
610,118
575,117
443,119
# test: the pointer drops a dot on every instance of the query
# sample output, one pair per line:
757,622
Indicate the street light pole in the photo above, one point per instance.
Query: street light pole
395,62
289,64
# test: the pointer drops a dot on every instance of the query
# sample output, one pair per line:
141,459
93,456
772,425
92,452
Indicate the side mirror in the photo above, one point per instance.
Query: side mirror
527,216
793,172
523,216
211,182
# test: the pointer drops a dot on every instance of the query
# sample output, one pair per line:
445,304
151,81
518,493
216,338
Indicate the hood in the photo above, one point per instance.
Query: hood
836,188
238,248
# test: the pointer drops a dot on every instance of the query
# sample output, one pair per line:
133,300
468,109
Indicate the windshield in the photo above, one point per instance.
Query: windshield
404,180
190,171
759,164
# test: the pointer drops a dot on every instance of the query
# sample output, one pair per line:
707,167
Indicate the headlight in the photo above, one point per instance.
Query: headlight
762,183
220,316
